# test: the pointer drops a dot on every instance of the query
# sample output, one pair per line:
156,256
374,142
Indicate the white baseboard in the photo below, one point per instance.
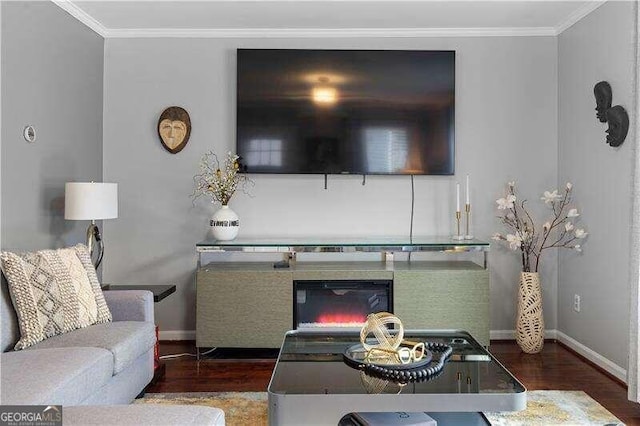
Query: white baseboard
511,334
493,334
602,362
178,335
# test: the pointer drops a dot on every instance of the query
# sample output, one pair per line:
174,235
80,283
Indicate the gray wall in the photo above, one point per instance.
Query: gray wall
599,47
506,124
52,69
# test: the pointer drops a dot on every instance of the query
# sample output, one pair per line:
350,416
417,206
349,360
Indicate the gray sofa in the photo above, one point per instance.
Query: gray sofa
99,365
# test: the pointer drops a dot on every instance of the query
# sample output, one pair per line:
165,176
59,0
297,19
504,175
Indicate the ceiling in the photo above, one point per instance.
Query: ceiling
327,17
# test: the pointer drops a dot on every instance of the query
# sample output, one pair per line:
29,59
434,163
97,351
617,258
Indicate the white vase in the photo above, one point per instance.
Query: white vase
224,224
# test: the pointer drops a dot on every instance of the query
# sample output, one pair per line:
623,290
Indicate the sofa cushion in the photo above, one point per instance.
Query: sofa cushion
143,415
126,340
53,376
53,292
9,331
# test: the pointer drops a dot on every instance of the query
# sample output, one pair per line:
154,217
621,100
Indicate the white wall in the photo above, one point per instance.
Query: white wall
599,47
52,68
506,128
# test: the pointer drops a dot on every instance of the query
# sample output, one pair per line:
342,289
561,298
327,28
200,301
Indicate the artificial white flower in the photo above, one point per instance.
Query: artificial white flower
524,235
550,197
506,203
514,241
581,234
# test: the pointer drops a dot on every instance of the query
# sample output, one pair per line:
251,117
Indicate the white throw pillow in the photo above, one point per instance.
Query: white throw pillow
53,292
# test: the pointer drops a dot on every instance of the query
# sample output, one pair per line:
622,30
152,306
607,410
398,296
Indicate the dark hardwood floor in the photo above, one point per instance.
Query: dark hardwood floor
556,368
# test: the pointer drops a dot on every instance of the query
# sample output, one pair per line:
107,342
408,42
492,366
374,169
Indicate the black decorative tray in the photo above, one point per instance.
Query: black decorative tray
430,366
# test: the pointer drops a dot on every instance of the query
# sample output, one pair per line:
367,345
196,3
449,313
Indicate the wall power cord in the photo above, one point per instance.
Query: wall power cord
173,356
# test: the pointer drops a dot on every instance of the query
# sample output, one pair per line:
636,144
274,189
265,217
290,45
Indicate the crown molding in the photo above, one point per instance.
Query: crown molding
328,32
578,15
95,25
81,16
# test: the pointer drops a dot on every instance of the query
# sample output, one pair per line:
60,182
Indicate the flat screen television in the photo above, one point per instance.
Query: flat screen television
346,111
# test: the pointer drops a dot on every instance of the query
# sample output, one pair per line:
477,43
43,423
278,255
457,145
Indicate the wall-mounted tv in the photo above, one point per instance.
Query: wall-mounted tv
346,111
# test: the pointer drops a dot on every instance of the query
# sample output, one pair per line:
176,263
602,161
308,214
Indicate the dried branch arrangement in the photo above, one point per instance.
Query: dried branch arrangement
220,183
559,232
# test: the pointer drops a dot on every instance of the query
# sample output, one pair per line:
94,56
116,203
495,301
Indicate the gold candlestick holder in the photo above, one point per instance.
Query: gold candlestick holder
467,209
458,236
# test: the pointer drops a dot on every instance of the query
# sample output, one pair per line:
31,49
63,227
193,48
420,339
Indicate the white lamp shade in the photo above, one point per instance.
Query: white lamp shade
90,201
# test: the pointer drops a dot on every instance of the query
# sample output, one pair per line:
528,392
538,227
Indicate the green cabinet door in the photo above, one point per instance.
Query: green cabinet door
442,298
246,307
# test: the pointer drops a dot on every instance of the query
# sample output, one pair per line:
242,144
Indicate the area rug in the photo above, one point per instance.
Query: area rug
556,408
544,408
240,408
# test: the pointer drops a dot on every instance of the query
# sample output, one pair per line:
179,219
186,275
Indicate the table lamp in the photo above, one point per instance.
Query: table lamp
91,201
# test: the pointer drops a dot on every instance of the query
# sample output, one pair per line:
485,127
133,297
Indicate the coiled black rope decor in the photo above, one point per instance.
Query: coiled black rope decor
402,373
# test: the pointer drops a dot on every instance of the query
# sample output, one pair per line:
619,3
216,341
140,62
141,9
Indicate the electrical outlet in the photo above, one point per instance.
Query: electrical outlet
576,302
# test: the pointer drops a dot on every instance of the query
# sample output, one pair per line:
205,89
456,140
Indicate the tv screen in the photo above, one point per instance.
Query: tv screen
346,111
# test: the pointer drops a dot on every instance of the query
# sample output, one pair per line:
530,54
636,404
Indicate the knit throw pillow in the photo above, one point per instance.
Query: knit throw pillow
53,292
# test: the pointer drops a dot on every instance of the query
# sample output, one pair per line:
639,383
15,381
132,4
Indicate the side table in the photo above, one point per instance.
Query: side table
160,292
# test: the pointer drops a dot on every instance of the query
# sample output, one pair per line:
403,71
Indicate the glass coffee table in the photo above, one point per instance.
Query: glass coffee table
312,385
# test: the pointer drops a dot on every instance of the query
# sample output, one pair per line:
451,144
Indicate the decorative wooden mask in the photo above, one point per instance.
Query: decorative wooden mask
618,120
174,129
616,116
603,94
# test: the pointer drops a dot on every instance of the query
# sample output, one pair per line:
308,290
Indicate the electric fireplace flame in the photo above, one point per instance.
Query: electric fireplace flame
337,320
350,320
338,305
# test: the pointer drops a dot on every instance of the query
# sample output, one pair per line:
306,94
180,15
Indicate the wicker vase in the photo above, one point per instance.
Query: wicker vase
530,321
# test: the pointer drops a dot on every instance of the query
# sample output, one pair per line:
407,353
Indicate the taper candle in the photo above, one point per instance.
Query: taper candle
457,197
468,190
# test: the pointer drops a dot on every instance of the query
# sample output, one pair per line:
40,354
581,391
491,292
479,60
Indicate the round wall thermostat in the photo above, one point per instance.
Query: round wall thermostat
29,134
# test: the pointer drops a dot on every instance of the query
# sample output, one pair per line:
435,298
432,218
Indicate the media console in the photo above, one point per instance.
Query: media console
250,304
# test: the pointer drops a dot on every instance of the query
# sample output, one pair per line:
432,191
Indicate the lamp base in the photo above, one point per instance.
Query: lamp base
93,233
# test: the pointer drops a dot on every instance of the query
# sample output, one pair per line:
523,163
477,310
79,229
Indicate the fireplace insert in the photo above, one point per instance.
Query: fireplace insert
339,303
